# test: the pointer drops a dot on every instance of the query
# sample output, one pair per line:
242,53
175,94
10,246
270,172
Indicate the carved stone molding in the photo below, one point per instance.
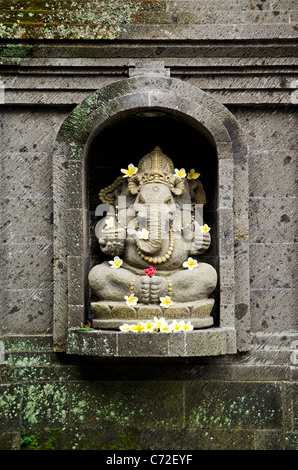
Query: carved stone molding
70,210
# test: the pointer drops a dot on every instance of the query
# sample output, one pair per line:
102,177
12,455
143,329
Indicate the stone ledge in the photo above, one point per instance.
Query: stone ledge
197,343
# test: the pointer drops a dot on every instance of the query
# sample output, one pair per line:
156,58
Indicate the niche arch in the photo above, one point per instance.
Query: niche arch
159,103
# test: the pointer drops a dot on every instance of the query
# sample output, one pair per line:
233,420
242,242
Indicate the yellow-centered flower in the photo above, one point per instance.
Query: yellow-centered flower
190,263
181,173
125,327
149,326
177,326
187,326
143,234
139,328
165,301
109,222
166,329
130,171
116,263
205,228
131,300
160,322
192,175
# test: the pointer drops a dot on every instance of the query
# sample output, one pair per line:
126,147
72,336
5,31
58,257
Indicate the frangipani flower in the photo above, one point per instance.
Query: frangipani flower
177,326
181,173
166,329
205,228
190,263
139,328
131,300
187,326
116,263
165,301
160,322
110,222
125,327
192,175
149,326
132,170
144,233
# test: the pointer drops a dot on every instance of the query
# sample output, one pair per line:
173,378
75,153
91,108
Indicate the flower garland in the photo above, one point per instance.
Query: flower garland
158,325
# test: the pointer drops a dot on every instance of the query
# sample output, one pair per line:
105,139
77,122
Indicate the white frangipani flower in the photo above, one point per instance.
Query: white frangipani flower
143,234
132,170
190,264
116,262
181,173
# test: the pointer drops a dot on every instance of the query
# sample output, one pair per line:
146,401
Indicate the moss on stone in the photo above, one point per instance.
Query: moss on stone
70,20
14,52
41,440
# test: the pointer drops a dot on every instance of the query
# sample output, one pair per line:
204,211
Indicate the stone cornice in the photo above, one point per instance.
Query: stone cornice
65,72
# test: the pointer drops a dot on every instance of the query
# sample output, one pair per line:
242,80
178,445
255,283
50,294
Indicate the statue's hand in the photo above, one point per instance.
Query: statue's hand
202,240
112,240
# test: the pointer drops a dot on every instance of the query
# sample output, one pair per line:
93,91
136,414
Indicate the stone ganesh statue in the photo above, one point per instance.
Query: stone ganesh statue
155,241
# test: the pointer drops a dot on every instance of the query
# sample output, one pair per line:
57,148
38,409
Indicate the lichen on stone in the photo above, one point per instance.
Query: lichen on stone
69,20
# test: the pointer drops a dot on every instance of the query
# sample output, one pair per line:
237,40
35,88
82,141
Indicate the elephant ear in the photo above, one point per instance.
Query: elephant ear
197,192
134,184
176,185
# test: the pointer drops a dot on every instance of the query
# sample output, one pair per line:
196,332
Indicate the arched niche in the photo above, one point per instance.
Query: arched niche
117,125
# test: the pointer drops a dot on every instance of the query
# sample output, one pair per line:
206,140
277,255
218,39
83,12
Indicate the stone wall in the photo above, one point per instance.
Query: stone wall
243,54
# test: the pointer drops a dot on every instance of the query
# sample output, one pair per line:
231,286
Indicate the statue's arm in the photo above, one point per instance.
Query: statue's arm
112,240
201,241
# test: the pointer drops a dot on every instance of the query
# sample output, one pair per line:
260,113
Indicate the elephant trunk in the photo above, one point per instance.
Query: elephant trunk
154,243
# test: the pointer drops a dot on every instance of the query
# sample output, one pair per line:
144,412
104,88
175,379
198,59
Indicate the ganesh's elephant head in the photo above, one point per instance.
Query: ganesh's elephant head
154,194
155,210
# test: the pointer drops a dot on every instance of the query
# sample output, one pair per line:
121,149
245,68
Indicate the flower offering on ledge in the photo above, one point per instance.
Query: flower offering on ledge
157,325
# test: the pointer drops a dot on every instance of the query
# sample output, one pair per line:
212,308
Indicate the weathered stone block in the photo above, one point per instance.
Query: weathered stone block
45,403
27,221
273,266
254,405
265,169
127,405
27,311
11,396
18,169
225,193
26,131
27,266
76,280
273,220
145,345
272,309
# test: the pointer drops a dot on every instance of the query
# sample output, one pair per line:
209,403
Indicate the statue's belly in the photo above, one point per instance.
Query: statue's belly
180,254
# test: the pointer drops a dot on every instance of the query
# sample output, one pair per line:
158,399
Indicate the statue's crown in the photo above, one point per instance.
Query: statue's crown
155,167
